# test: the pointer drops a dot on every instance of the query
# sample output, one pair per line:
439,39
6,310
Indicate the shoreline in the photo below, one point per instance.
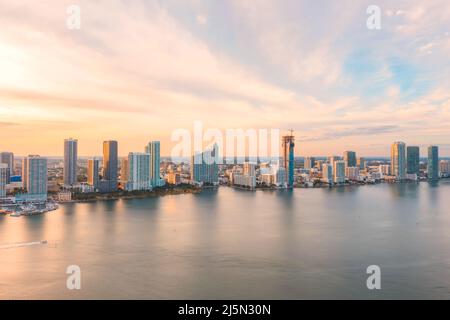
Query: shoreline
139,195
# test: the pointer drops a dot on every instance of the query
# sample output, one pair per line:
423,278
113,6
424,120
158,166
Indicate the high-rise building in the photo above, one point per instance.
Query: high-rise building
310,162
413,160
361,163
93,172
139,171
153,148
327,173
332,159
8,159
352,173
249,169
350,158
433,163
288,154
70,161
24,172
385,169
36,175
444,166
339,171
204,166
398,160
124,170
110,166
4,169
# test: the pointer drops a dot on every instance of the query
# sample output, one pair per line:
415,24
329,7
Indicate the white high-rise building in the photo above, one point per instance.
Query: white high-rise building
70,161
139,171
352,173
327,173
339,171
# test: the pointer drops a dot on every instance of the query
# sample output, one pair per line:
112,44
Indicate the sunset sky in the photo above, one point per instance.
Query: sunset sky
138,69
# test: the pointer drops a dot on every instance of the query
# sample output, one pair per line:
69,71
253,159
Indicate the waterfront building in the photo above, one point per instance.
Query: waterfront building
444,167
70,161
204,166
433,163
398,160
361,163
139,172
247,178
4,169
36,178
413,160
93,172
110,166
24,172
327,173
244,180
288,157
153,148
352,173
249,169
173,178
124,170
350,158
8,159
310,162
339,171
385,169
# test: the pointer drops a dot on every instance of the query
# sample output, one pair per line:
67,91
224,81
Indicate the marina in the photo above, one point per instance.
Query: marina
29,209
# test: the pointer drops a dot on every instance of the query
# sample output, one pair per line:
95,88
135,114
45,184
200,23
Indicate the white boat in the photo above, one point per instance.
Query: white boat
15,214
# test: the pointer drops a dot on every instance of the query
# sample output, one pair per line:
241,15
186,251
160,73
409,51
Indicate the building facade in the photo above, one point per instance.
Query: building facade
288,154
398,160
4,169
433,163
93,172
153,148
350,158
8,159
413,160
110,166
139,172
70,161
37,176
339,171
204,166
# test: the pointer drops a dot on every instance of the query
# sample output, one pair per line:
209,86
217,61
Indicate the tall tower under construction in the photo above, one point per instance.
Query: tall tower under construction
288,156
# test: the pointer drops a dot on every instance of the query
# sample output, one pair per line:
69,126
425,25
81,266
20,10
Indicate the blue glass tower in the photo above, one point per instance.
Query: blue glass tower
288,153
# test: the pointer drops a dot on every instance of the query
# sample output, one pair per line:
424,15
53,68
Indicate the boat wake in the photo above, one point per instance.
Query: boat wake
22,244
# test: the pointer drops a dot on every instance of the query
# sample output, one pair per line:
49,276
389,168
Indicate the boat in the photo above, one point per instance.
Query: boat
15,214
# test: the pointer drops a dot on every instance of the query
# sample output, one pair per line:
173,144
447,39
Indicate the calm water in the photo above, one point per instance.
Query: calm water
306,243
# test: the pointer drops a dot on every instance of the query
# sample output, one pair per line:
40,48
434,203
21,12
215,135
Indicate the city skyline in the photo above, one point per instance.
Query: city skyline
240,64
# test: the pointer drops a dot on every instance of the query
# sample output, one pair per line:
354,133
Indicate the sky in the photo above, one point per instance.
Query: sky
138,70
